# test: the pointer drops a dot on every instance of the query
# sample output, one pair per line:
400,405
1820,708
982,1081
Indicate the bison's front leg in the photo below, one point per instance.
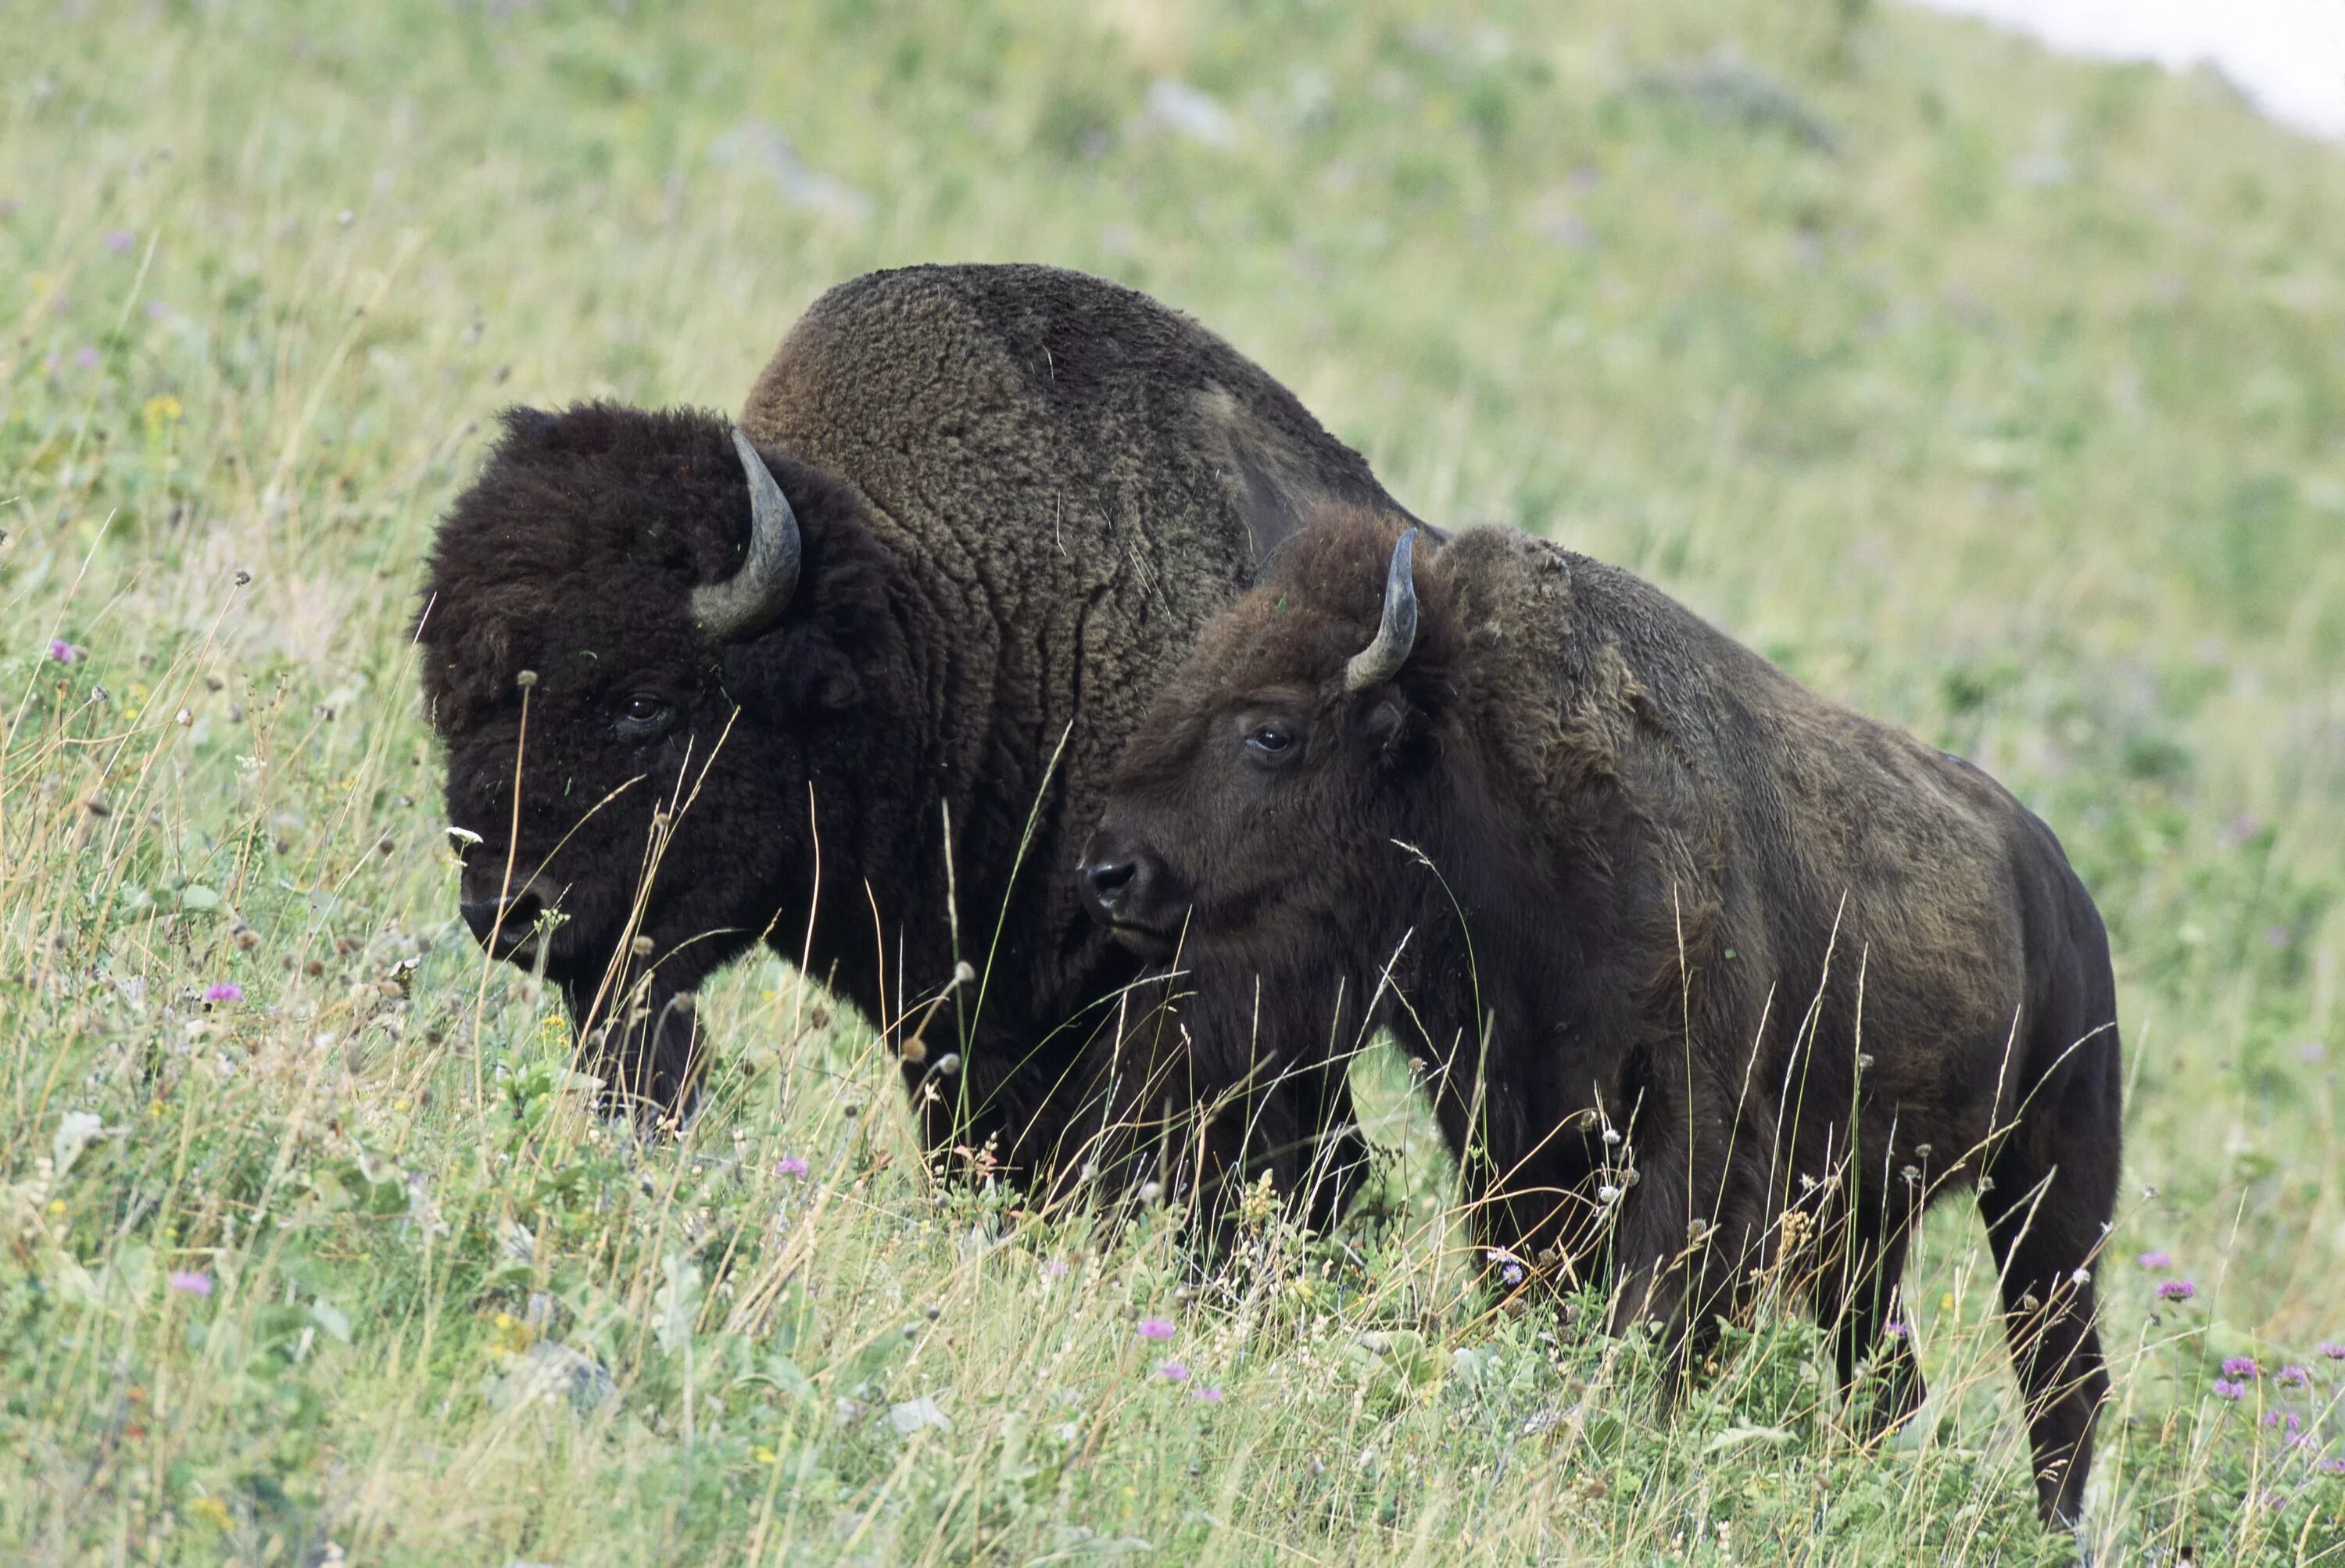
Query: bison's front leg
646,1047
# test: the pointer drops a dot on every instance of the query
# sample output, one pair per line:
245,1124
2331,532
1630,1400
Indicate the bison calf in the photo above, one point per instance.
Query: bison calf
1712,981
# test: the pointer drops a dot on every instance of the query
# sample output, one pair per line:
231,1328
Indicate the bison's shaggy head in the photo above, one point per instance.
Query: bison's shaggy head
659,632
1290,741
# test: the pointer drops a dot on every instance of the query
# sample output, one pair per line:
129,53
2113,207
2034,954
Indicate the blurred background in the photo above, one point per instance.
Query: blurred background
1997,390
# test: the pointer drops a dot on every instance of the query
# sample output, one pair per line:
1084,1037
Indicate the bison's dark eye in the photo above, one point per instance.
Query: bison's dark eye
643,716
1270,742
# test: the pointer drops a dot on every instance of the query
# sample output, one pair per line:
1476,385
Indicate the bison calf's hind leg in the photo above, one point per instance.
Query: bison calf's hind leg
2045,1223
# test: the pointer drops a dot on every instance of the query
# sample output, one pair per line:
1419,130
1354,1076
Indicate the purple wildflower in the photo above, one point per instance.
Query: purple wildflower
1895,1329
2272,1500
1056,1268
1510,1267
2293,1378
224,991
2332,1350
1205,1394
2243,1368
2157,1258
1155,1328
2176,1290
790,1166
120,240
63,652
1173,1372
2331,1466
85,357
2227,1389
188,1282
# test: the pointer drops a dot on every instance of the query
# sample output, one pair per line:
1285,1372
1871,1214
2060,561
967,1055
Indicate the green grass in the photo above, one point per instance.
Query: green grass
1999,395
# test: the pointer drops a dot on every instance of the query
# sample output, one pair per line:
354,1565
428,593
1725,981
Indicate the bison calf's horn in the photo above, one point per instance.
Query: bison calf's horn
1381,659
750,600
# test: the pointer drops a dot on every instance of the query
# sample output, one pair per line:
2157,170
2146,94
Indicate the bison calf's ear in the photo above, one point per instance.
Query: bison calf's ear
1385,724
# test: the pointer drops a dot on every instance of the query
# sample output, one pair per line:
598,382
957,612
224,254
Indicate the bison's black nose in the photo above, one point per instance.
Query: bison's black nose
501,924
1119,879
1105,882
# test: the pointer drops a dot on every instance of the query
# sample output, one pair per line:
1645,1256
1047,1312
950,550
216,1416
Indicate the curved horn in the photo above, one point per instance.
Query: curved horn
751,598
1381,659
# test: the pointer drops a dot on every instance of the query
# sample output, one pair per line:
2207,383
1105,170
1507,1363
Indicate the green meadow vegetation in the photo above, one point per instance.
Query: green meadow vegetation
2000,395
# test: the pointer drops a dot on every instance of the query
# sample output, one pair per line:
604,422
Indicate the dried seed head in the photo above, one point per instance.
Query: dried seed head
641,947
526,681
97,806
243,577
947,1065
916,1049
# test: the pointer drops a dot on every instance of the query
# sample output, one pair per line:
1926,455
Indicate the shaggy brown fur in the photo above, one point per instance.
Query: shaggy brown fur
1687,949
1021,491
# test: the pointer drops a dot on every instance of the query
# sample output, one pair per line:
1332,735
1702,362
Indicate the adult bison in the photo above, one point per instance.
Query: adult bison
851,682
1710,977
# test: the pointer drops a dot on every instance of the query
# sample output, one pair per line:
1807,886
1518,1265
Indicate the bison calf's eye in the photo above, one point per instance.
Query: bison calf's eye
1272,742
644,715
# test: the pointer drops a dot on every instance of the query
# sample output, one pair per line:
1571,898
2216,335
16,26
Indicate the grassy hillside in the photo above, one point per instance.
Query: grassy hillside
1999,395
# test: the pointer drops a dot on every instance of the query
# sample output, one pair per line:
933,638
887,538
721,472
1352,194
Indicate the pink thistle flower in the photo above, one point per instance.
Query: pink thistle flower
2332,1350
1173,1372
1895,1329
2293,1378
63,652
1155,1328
224,991
2243,1368
790,1166
2333,1466
2227,1389
1206,1395
188,1282
2175,1289
2155,1258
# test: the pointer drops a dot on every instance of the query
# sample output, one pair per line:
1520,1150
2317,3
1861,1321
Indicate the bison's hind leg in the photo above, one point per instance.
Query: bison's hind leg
1855,1296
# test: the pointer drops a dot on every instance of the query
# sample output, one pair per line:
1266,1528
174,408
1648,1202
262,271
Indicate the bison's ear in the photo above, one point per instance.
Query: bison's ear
786,679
